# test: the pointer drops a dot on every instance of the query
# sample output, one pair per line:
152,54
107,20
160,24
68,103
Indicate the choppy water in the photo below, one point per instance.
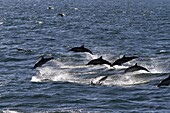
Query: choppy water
109,28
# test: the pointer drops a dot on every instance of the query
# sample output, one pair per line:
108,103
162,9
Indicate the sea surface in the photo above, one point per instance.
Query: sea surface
109,28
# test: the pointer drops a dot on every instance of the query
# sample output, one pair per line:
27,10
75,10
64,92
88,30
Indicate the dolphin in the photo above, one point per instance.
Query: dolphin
23,50
42,61
99,61
80,49
99,80
103,78
50,7
135,68
165,82
122,60
61,14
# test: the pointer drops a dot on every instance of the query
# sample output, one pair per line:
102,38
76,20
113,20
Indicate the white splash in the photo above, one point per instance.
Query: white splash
120,67
83,74
96,81
10,111
158,67
1,23
39,22
125,80
52,74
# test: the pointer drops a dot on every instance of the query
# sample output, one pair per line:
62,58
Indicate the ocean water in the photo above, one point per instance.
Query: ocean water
109,28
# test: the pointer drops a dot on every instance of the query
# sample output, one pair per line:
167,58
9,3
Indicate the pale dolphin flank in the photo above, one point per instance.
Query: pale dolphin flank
99,80
135,68
81,49
42,61
99,61
122,60
165,82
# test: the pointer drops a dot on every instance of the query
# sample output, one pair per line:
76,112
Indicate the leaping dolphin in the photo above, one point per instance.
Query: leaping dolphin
99,61
81,49
135,68
122,60
42,61
165,82
99,80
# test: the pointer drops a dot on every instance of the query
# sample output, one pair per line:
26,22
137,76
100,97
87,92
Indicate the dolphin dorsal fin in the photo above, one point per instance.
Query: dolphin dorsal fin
42,57
82,46
123,56
136,64
101,57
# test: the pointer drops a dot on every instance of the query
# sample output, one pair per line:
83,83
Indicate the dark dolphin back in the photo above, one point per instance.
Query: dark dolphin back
130,69
122,60
99,61
95,61
80,49
165,82
104,61
135,68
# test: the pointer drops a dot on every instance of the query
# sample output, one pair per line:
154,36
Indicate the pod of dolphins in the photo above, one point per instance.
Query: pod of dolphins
101,61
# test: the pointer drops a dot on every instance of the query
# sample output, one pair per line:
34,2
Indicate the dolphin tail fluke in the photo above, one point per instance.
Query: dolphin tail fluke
113,64
108,63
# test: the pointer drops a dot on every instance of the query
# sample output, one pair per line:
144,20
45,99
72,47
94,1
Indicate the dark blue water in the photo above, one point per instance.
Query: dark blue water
109,28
